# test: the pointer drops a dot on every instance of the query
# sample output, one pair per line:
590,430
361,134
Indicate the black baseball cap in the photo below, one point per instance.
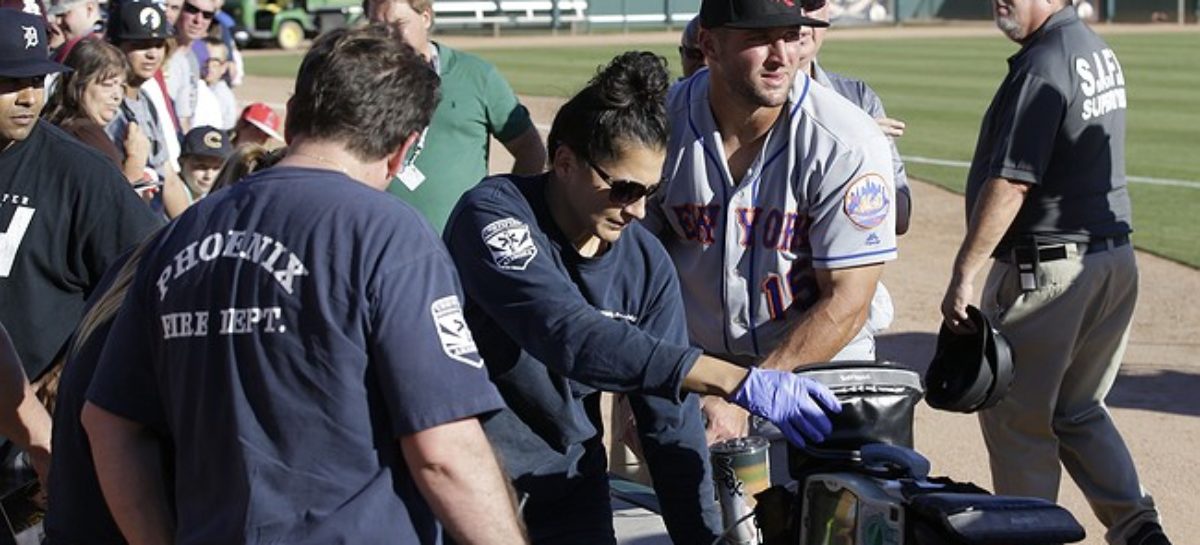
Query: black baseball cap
138,20
755,14
23,51
206,141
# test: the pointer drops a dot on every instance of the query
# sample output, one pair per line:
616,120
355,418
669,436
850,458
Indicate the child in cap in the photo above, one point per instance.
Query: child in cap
258,124
205,150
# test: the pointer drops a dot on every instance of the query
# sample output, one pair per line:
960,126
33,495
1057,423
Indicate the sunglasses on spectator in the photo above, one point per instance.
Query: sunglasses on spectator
624,192
691,53
189,8
811,5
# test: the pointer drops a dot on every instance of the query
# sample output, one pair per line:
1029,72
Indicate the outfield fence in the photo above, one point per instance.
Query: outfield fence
589,15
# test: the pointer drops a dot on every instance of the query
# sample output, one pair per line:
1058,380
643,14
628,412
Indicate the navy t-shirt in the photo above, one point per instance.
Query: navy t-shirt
284,333
554,326
66,213
77,512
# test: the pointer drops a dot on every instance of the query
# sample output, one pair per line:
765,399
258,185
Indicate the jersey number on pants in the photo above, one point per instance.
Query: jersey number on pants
800,288
10,238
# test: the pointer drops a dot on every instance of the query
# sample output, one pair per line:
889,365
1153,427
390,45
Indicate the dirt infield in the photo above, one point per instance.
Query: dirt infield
1155,401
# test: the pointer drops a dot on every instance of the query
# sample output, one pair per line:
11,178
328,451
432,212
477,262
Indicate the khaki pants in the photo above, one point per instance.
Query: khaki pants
1068,338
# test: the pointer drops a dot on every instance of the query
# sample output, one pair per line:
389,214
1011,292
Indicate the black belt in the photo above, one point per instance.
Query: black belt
1055,252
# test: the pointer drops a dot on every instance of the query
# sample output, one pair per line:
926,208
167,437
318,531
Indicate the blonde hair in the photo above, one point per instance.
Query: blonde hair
246,159
106,307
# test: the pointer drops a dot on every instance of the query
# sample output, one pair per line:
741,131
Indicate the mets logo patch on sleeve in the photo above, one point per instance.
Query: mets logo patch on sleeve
453,332
866,202
510,243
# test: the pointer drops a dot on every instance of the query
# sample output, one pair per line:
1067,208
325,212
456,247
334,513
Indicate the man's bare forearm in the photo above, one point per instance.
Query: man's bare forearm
819,336
994,212
997,207
129,467
23,419
529,154
832,322
458,474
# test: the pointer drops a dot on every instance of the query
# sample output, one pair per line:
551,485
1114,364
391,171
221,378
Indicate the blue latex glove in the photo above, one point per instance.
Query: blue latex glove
790,401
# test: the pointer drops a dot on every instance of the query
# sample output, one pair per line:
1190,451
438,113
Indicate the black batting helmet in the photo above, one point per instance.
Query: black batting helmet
969,372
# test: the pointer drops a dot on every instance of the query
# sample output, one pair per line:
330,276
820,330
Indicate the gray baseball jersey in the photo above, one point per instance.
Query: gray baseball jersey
861,94
820,194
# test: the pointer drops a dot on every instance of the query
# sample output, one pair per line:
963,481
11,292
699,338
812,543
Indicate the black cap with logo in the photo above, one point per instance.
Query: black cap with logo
23,51
755,14
138,20
206,142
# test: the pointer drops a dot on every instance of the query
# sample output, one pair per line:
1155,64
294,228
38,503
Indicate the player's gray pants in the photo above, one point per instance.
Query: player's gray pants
1068,338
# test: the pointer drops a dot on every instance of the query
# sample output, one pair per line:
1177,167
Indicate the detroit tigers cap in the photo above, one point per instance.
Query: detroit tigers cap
23,51
138,20
206,142
755,14
32,7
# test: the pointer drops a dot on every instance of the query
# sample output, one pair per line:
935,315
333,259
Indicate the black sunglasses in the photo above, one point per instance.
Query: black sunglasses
811,5
624,192
691,53
188,7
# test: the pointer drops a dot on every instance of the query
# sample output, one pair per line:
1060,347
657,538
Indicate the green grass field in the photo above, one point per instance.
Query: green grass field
941,88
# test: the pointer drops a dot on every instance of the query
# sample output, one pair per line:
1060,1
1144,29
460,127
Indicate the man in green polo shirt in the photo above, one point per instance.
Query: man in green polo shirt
476,103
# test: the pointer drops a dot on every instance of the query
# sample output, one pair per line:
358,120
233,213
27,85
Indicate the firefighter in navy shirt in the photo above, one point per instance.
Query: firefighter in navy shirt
569,295
299,342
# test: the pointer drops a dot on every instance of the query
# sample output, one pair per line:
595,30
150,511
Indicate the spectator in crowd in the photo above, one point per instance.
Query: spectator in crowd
143,40
345,410
208,108
44,170
205,150
477,103
568,295
172,9
691,58
77,512
140,31
236,70
215,69
66,212
258,124
76,19
23,419
183,68
245,160
88,98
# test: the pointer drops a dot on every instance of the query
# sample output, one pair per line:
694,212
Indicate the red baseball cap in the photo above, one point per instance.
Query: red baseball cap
262,116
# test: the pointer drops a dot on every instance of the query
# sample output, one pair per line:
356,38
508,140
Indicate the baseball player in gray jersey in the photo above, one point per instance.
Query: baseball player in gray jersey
778,200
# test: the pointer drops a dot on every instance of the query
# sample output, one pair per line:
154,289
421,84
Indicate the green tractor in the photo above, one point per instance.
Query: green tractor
286,23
